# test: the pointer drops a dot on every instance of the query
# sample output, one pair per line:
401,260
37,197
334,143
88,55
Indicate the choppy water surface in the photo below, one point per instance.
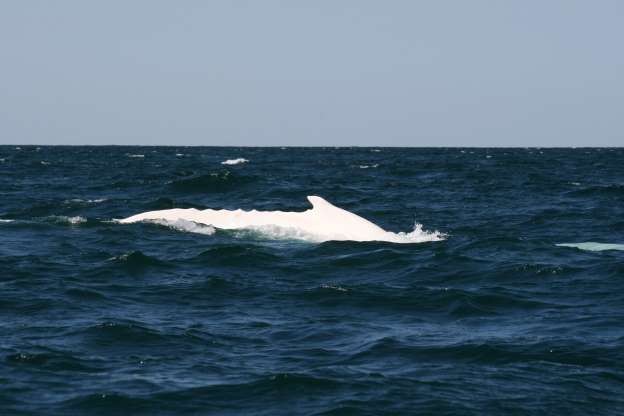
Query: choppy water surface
519,310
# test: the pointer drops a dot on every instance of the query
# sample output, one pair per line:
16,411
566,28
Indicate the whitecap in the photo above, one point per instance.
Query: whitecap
277,232
369,166
62,219
76,220
234,161
179,154
121,257
6,221
85,201
334,287
592,246
43,162
324,222
184,225
134,155
418,235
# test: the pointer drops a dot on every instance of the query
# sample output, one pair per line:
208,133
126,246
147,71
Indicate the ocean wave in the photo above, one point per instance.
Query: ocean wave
184,225
212,182
446,301
6,221
135,262
495,351
241,255
84,201
324,222
84,294
63,219
234,161
591,246
207,397
51,360
135,155
334,287
609,190
126,332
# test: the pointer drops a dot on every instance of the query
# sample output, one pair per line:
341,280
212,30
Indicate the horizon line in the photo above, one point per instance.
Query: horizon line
316,146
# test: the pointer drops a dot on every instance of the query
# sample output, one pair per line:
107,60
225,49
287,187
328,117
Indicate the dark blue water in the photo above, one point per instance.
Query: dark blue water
99,318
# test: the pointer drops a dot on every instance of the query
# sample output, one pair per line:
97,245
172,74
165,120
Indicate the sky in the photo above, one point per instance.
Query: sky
316,72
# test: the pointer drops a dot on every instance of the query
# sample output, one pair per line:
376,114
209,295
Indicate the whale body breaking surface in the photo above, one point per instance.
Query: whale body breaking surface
324,222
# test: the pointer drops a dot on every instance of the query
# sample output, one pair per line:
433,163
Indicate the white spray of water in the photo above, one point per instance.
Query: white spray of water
234,161
62,219
184,225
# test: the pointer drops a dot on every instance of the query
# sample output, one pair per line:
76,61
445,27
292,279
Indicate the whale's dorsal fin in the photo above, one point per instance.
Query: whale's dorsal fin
319,203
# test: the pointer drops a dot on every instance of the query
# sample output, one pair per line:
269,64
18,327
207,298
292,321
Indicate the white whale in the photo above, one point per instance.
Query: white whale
324,222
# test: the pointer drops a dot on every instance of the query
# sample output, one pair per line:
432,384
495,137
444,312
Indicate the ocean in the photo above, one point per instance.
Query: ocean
504,295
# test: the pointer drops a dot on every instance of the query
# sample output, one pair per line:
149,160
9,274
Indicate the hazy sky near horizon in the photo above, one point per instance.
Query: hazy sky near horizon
323,72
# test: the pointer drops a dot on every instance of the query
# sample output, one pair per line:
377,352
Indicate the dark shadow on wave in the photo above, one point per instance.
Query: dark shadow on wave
223,181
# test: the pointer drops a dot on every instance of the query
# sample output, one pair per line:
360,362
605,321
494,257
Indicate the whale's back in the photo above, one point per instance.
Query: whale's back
323,222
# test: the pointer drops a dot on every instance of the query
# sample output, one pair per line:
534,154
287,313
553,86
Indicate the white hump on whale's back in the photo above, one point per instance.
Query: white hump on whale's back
324,222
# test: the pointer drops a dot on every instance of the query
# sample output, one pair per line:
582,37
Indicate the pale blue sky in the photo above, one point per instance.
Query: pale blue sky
322,72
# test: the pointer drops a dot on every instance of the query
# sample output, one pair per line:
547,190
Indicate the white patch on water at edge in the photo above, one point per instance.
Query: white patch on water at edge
591,246
85,201
334,287
234,161
184,225
324,222
62,219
